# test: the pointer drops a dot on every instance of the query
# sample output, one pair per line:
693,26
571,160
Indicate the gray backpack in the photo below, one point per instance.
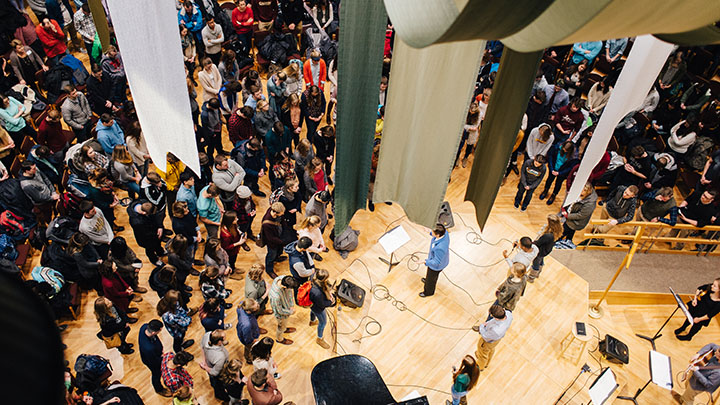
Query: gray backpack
346,242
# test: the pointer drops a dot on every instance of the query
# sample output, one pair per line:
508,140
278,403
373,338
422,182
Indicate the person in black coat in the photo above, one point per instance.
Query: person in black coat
99,89
177,257
145,228
164,278
151,351
87,261
324,142
183,223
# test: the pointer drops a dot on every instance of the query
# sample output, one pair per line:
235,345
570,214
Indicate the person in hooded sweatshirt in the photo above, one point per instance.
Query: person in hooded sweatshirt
216,355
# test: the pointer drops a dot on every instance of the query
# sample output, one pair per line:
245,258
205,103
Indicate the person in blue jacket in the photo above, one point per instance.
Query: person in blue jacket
586,50
438,259
189,17
109,133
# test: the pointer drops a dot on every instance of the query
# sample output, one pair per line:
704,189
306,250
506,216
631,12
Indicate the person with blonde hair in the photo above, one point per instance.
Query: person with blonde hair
550,234
257,288
113,321
294,82
292,116
124,170
509,292
310,227
265,117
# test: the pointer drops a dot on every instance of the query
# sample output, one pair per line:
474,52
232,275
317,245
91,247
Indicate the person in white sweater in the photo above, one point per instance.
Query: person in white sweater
212,36
94,225
540,141
310,227
210,80
682,136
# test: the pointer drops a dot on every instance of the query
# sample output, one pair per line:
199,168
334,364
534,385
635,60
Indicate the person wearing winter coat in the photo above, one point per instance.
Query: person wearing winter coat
112,64
189,16
282,301
265,117
250,156
276,87
145,228
301,263
315,70
39,190
127,263
438,259
578,215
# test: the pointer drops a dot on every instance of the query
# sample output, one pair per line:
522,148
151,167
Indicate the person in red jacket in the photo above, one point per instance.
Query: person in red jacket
115,288
53,40
242,20
51,134
315,71
263,388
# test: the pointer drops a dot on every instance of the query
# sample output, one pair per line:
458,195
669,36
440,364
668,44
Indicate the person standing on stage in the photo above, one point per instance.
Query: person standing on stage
464,379
491,332
703,307
438,259
702,379
526,253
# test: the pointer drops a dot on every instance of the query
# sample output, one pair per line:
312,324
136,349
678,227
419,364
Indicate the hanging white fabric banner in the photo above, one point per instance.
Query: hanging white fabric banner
646,59
149,41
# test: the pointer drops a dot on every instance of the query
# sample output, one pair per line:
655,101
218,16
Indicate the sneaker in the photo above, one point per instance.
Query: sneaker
188,343
523,209
516,205
322,343
543,195
159,262
371,206
423,280
227,326
551,199
277,376
228,305
192,311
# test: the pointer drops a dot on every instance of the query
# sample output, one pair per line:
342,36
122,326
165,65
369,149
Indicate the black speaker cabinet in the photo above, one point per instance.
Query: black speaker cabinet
446,217
350,294
614,350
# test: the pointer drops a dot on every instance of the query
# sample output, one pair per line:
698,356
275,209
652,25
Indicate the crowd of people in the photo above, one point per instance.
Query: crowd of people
69,191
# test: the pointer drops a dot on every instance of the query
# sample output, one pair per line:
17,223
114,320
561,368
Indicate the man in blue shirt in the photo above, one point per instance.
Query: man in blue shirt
151,350
109,133
614,49
490,334
438,259
186,192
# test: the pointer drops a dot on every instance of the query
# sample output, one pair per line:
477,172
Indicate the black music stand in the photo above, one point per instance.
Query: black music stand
680,305
660,374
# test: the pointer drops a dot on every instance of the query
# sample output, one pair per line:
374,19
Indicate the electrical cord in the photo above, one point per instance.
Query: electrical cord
418,386
583,386
584,369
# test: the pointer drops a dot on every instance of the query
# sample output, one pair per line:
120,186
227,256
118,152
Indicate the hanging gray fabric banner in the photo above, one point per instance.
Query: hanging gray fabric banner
360,56
430,90
500,127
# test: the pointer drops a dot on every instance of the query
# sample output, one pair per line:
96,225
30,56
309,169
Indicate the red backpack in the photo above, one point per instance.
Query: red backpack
303,295
11,224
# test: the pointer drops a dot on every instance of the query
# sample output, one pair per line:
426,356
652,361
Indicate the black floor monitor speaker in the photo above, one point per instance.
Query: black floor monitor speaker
350,294
614,350
446,217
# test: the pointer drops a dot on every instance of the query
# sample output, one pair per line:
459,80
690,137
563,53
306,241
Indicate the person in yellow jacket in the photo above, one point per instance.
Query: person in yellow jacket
172,177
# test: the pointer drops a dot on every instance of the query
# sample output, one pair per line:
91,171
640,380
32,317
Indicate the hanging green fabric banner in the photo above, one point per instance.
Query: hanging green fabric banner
702,36
101,22
428,98
360,57
500,127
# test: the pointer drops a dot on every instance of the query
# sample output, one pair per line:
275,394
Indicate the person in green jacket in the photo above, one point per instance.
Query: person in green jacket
282,301
464,379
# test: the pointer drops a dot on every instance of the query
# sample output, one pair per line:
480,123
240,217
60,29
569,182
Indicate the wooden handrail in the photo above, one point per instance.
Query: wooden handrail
686,227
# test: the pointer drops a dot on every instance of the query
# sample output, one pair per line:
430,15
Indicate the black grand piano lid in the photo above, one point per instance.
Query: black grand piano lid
349,380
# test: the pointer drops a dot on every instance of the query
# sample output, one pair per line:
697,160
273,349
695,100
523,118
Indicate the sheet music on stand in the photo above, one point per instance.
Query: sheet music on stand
660,370
394,239
682,306
603,387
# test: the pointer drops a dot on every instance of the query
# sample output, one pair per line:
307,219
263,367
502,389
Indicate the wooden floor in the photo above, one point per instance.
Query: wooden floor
410,353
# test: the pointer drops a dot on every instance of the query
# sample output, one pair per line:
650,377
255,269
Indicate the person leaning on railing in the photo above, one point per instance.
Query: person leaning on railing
697,210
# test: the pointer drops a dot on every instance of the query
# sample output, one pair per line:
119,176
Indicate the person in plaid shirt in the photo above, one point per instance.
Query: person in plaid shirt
174,374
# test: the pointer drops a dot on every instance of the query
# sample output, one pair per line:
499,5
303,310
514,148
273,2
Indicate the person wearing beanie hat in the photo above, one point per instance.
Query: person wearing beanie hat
243,192
151,350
